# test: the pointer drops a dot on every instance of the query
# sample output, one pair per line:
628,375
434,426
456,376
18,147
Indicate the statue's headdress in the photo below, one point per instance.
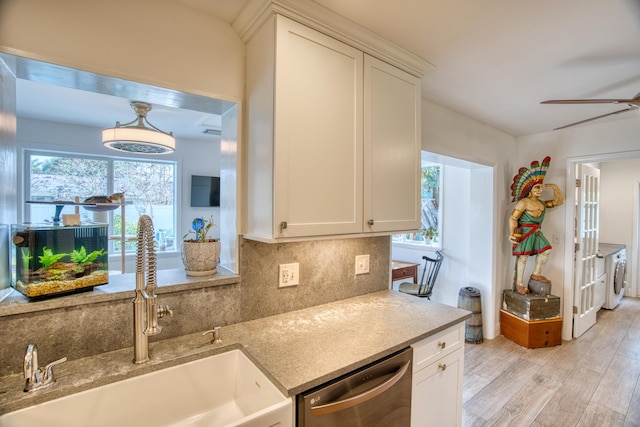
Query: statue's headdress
527,178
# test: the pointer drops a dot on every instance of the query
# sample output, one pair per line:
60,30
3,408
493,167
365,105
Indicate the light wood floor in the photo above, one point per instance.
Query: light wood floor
589,381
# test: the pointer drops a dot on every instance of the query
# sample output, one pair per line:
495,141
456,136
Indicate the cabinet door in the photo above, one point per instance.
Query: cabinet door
318,134
392,148
437,392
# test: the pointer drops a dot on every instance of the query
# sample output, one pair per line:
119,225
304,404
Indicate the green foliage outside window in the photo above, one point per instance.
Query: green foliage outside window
431,185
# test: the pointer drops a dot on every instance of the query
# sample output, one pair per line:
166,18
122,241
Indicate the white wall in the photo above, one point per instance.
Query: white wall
158,42
7,146
482,269
8,190
194,157
596,142
456,228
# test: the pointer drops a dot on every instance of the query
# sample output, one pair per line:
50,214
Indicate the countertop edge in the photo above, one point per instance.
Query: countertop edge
608,249
120,286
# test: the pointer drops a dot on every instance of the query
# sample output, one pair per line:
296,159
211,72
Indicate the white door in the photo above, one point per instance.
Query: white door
587,222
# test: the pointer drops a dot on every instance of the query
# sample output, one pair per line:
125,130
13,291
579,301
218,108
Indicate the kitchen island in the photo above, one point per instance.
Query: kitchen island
297,350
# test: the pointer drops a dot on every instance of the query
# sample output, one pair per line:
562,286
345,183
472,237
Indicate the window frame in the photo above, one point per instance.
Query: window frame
28,153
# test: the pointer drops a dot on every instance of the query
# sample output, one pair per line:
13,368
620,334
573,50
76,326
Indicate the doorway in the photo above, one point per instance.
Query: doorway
619,217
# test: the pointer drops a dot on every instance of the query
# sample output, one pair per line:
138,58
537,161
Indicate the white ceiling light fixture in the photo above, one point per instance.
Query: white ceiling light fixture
139,136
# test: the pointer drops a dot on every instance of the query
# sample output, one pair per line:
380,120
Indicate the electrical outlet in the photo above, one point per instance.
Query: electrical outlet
288,274
362,264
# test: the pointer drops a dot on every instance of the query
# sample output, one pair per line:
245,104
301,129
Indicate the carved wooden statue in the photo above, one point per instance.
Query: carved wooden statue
526,219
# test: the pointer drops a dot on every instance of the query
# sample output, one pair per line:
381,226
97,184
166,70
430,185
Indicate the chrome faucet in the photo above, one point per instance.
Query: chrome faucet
35,377
146,310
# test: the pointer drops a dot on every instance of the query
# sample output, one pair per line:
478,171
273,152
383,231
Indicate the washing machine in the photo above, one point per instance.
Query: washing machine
616,270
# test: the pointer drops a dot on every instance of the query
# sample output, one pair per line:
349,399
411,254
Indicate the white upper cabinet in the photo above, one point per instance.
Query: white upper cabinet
392,148
333,138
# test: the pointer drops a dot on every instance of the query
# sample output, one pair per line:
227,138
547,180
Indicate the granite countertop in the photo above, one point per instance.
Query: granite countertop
297,350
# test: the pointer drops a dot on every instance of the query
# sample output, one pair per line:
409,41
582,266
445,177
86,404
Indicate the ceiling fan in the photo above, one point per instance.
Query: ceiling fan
633,104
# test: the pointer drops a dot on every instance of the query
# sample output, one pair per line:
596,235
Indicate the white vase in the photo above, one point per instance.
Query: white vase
200,258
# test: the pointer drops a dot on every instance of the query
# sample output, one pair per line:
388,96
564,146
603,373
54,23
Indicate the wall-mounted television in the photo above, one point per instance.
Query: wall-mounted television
205,191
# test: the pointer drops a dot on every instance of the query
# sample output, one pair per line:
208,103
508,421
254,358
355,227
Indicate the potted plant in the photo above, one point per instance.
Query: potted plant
200,254
429,233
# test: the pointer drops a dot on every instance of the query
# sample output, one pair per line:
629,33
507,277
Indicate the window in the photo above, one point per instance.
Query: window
148,186
431,212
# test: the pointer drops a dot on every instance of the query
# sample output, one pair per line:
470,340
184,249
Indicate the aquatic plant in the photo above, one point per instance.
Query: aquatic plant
26,257
81,256
48,258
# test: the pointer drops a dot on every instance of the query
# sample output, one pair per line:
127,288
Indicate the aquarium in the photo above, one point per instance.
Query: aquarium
53,260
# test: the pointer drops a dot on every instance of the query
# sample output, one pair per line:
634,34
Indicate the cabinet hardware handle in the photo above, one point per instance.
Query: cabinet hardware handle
442,366
283,225
442,345
370,222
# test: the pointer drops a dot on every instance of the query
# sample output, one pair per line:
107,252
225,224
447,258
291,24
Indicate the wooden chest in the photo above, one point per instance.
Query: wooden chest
531,333
531,306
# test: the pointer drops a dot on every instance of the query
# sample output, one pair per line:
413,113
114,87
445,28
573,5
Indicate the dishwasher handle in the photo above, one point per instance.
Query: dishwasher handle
340,405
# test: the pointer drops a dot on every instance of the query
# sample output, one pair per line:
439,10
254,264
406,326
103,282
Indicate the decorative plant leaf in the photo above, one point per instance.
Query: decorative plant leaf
26,257
48,258
78,256
81,257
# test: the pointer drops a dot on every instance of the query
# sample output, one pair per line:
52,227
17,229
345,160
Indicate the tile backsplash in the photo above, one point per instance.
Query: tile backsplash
327,273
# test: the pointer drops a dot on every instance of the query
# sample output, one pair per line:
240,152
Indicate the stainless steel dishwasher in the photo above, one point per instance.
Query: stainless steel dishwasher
378,394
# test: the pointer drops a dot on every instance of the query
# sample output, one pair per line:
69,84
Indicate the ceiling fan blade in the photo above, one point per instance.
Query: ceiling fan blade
597,117
590,101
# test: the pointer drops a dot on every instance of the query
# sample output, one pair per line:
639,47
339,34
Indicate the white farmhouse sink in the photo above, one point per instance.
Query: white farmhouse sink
222,390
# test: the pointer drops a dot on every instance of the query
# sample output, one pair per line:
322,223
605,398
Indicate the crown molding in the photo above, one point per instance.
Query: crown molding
315,16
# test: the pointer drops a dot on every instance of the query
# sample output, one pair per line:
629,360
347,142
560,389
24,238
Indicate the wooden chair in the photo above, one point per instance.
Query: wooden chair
424,289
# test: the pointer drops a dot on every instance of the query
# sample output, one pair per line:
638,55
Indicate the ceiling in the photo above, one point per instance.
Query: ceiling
495,60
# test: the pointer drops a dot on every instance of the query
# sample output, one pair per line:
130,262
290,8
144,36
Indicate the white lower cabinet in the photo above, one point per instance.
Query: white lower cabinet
438,368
